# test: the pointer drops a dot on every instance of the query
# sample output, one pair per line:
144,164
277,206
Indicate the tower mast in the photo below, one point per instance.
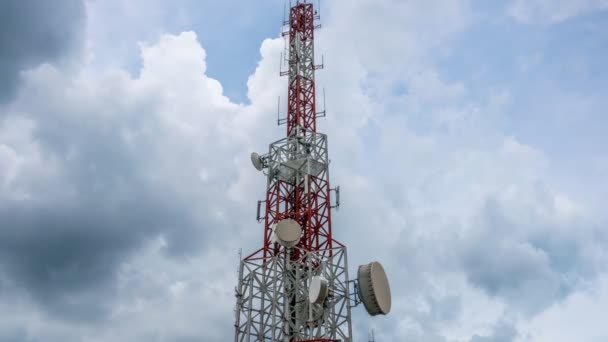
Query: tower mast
296,287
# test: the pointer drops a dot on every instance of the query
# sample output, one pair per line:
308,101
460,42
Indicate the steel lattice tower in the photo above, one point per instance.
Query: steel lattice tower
272,292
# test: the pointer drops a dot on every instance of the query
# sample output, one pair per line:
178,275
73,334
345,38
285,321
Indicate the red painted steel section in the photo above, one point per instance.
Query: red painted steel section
301,94
288,200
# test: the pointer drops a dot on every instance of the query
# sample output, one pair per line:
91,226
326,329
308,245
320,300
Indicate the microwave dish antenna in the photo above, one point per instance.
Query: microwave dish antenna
374,289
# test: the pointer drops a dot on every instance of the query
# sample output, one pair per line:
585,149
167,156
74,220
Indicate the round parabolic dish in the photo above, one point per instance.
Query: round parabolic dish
319,288
256,161
374,290
288,232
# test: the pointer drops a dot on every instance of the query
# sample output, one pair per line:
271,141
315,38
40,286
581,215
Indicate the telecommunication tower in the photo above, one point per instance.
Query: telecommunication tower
296,287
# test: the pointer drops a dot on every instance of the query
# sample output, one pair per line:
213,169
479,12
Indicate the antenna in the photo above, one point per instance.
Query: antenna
322,113
288,233
318,11
284,13
337,191
240,256
374,289
257,161
279,111
280,120
318,290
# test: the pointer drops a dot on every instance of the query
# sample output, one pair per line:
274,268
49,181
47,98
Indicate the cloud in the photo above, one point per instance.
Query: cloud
547,11
532,251
34,32
502,333
523,245
581,313
99,164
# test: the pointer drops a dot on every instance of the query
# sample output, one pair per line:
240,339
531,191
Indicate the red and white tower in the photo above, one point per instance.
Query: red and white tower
296,287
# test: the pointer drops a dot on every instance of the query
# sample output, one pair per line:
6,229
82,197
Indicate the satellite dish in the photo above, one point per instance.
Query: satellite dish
288,232
374,289
318,290
256,160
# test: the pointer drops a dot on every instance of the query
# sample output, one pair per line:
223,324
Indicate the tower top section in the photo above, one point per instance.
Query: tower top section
301,106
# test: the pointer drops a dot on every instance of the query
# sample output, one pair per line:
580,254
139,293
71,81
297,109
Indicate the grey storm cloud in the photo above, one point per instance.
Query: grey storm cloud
14,335
34,32
65,255
531,262
97,198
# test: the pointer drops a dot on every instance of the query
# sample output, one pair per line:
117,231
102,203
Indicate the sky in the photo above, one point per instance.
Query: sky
468,138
